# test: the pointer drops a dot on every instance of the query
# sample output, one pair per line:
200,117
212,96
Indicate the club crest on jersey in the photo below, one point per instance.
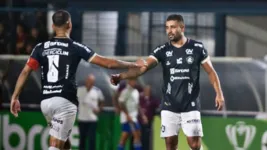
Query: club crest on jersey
189,51
169,53
189,59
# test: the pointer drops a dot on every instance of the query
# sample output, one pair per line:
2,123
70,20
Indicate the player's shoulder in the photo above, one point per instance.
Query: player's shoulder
37,48
195,43
78,43
135,91
39,45
82,46
161,47
96,89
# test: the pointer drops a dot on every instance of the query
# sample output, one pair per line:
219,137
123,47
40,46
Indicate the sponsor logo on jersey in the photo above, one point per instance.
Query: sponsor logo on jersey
49,43
169,53
168,63
179,60
173,71
189,51
198,45
172,78
158,48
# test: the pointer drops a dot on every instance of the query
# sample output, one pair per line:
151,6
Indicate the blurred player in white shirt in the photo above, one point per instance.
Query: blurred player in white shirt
129,106
90,104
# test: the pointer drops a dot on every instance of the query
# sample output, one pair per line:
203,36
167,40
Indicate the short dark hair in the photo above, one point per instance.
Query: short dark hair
178,18
60,18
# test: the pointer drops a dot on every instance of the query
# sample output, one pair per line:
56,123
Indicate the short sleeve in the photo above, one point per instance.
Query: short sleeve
81,93
204,56
122,96
34,60
157,53
84,51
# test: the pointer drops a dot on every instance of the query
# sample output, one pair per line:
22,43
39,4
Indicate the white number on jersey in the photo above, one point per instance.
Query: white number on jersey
53,63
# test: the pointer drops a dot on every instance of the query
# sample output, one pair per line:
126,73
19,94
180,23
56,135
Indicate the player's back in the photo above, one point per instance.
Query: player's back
59,59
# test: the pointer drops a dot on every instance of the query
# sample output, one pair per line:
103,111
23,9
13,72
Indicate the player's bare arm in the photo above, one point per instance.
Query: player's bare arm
146,65
14,105
214,79
111,63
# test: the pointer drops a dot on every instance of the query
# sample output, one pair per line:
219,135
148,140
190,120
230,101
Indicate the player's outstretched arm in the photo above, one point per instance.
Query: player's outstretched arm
111,63
214,79
14,105
147,64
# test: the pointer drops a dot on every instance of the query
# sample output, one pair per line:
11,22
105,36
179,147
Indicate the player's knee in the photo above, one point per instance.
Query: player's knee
171,144
137,137
171,147
123,141
195,146
56,143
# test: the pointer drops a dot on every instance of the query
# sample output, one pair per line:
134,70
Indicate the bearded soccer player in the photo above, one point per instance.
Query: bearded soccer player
181,59
58,60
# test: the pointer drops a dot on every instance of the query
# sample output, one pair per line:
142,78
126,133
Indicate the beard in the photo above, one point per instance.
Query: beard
175,37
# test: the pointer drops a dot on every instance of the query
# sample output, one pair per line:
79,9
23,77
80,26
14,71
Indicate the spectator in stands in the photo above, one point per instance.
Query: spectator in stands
29,47
34,36
3,39
91,101
21,38
41,22
148,105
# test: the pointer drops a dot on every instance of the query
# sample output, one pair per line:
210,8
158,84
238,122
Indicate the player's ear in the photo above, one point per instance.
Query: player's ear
69,24
182,26
53,27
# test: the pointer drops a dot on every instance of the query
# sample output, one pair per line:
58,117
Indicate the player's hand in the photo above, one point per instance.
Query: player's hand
141,62
129,119
145,120
117,110
15,107
219,102
115,79
96,111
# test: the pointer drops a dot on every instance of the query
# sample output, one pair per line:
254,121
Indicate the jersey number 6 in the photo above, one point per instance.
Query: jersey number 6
53,62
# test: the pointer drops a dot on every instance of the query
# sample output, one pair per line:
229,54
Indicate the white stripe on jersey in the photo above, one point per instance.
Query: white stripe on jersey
205,60
90,59
151,56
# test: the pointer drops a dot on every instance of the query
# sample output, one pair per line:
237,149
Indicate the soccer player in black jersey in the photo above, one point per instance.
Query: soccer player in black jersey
181,59
58,60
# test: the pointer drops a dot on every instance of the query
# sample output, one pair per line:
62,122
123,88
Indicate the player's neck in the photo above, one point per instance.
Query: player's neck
179,43
62,35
